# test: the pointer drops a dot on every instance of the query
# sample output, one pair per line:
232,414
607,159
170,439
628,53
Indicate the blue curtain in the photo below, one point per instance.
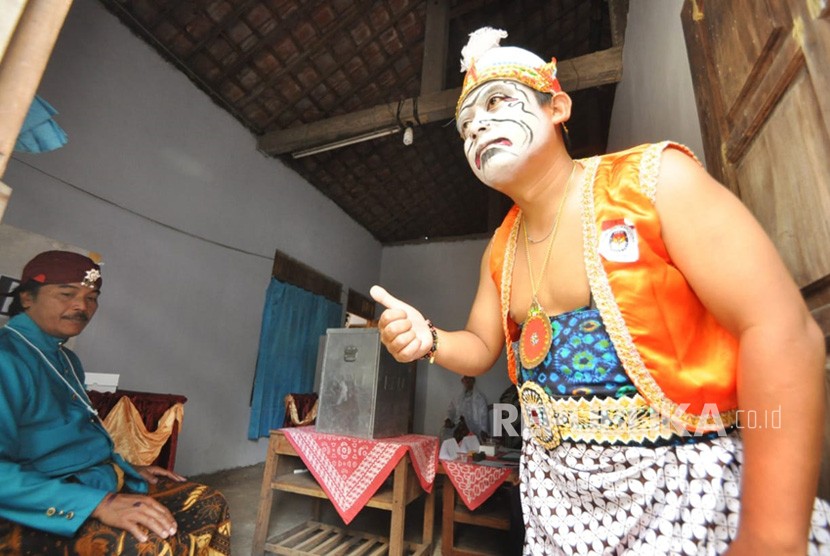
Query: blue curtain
292,322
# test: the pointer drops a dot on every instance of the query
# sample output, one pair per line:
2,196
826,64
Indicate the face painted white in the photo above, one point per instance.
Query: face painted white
503,126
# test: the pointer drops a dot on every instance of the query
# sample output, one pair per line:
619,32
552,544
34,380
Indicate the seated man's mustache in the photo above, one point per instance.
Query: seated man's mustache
80,316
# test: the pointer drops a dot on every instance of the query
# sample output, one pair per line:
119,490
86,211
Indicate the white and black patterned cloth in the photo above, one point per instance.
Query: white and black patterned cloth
593,499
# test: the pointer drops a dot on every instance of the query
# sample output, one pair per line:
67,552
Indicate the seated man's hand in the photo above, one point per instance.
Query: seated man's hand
151,472
136,514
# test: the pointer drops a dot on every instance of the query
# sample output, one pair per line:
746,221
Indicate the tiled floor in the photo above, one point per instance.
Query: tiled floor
241,489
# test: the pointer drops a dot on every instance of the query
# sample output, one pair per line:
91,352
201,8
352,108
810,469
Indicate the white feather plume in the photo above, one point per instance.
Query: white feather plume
480,42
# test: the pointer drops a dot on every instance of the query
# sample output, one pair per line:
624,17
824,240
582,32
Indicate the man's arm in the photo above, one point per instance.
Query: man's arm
736,272
28,496
470,352
36,500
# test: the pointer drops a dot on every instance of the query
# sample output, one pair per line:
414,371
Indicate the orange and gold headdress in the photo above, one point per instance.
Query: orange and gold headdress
484,60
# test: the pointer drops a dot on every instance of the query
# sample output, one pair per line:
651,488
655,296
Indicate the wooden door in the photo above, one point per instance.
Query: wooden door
761,73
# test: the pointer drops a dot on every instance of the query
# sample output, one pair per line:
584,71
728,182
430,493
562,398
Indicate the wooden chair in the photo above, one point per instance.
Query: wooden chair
300,410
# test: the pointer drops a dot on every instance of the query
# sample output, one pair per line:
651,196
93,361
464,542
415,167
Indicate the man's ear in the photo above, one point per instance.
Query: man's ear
26,300
560,108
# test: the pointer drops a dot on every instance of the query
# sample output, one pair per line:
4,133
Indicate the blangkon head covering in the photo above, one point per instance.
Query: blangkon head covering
62,267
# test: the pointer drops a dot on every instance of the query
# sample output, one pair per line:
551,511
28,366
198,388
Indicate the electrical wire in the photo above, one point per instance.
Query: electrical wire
143,216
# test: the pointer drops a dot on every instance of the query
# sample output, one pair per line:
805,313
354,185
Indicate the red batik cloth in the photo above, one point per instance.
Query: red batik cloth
475,483
350,470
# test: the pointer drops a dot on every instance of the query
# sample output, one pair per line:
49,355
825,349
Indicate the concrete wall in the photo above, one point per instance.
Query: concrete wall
440,280
655,100
171,191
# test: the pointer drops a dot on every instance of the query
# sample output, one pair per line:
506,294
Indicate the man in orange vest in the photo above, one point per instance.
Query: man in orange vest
670,375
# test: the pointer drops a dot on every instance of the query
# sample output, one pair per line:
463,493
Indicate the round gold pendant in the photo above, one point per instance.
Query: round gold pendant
534,343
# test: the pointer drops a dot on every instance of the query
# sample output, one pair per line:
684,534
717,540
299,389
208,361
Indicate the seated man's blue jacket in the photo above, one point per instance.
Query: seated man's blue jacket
55,456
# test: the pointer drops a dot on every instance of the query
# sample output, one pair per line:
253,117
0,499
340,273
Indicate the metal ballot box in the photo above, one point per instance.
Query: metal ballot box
364,392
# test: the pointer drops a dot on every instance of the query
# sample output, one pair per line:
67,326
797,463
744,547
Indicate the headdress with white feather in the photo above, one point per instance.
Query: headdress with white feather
480,42
484,59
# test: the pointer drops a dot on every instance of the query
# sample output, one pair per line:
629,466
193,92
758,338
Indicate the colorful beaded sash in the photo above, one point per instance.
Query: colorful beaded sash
580,391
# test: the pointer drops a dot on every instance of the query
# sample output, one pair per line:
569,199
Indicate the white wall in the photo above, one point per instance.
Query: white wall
655,100
171,190
440,280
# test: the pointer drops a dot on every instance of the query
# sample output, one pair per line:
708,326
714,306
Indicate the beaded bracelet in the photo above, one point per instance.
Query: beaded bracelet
430,355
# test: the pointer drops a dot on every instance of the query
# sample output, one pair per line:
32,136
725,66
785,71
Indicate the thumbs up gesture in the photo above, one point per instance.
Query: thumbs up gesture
403,329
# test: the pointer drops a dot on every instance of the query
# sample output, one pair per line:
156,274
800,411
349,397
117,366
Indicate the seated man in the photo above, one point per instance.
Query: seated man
64,488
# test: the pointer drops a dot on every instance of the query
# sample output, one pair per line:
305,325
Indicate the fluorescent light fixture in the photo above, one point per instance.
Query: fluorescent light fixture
345,142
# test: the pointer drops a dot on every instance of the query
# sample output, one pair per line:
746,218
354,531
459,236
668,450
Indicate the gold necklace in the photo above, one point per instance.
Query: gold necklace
541,239
536,337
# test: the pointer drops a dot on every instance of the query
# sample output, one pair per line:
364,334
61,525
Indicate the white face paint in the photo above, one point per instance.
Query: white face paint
503,126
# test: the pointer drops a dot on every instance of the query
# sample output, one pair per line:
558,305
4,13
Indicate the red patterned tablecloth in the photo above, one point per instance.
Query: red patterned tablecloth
475,483
350,470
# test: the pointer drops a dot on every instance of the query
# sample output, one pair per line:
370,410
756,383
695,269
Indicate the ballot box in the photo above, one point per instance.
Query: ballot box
364,392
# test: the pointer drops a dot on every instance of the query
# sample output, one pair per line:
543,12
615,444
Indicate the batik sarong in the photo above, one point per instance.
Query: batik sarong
679,499
201,513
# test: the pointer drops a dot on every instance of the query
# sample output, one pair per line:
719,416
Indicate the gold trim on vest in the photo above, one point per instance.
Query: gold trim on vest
615,324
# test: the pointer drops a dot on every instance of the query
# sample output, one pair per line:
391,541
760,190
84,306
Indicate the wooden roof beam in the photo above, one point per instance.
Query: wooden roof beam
583,72
436,37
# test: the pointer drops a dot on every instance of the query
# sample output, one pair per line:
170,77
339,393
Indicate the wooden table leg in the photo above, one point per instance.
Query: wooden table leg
429,516
316,509
447,517
399,484
266,494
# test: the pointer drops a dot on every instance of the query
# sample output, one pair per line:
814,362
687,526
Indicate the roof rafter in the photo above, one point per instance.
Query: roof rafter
591,70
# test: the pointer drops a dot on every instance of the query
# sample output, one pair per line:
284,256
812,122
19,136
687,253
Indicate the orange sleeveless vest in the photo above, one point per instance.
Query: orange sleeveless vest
680,359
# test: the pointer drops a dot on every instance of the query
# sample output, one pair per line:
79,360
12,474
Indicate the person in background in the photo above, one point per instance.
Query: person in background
644,311
471,407
64,489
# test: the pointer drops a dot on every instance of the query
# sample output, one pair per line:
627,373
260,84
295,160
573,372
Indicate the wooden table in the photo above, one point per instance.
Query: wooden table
453,513
314,537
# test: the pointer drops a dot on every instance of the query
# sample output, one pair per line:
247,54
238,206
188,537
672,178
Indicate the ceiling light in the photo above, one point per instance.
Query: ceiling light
346,142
